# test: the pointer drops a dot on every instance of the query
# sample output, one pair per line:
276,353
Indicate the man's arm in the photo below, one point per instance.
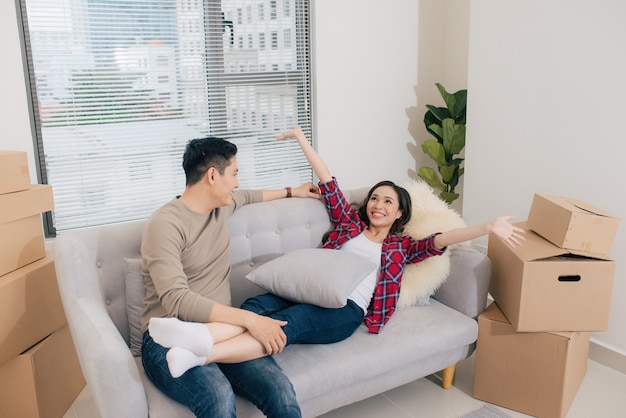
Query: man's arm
306,190
266,330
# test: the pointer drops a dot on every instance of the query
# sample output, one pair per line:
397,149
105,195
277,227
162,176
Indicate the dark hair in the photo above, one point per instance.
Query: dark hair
204,153
404,202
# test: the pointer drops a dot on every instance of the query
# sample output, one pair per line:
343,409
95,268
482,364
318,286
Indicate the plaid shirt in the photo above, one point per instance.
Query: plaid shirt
396,252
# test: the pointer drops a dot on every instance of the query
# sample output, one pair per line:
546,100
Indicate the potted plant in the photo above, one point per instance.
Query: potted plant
447,125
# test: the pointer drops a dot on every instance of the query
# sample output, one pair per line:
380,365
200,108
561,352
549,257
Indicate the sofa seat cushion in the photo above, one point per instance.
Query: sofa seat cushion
416,342
406,349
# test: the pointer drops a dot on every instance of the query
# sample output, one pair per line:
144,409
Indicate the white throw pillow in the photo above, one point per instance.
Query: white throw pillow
430,214
317,276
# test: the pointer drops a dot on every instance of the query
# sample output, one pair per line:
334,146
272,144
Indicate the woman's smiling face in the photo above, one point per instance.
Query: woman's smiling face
383,207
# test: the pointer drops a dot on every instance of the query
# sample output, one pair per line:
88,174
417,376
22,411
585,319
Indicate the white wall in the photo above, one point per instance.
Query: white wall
376,65
546,108
15,130
365,71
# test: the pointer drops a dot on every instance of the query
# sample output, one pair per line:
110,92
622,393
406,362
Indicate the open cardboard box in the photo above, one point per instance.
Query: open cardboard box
542,287
43,381
536,373
30,307
572,224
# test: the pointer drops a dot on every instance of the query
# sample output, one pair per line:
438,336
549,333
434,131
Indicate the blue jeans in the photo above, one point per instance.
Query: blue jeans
306,323
209,391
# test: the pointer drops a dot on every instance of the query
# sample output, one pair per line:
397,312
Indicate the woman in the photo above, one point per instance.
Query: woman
374,232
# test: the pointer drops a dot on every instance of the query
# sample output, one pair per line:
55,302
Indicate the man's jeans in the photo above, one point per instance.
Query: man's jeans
209,390
306,323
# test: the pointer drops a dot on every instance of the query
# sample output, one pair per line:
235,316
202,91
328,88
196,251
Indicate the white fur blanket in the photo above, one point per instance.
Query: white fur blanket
430,215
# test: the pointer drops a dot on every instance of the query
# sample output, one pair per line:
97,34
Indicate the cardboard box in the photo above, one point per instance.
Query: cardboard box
14,174
21,228
43,381
30,307
542,287
535,373
22,243
572,224
36,199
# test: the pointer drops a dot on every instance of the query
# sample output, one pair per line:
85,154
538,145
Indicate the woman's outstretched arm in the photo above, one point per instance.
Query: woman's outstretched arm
500,227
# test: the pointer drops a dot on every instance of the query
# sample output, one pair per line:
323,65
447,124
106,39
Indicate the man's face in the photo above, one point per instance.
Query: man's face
227,183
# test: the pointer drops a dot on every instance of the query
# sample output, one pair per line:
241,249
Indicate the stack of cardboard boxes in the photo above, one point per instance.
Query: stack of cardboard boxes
549,294
39,371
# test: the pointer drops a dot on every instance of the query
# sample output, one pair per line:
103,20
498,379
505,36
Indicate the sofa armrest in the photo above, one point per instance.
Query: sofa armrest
104,356
467,285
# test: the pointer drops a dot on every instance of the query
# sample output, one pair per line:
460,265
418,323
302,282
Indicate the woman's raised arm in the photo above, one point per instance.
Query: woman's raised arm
317,164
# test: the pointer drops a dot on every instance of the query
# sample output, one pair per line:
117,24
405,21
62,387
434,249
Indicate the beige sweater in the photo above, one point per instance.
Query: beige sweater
186,260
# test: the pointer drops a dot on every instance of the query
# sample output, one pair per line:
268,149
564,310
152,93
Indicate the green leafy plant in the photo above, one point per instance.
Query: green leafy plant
447,125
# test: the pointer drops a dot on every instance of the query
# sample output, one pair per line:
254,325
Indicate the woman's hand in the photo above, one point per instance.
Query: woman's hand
510,234
319,167
296,132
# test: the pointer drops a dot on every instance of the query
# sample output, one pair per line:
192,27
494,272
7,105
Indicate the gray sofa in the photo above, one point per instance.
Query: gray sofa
417,342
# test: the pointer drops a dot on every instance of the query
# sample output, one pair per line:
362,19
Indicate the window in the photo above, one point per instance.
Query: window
119,87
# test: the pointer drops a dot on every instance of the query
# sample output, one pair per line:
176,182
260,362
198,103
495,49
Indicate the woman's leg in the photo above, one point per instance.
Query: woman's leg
245,347
199,338
266,304
312,324
191,345
308,323
305,324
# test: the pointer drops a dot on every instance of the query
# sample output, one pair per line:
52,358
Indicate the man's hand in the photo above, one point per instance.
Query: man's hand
269,333
307,190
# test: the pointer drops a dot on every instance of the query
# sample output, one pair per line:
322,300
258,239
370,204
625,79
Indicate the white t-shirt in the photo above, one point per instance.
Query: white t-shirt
370,250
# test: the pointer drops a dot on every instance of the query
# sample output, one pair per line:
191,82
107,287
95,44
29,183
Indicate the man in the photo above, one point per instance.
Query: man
186,265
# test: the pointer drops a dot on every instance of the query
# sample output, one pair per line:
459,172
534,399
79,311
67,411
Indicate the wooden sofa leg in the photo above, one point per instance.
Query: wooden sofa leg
447,375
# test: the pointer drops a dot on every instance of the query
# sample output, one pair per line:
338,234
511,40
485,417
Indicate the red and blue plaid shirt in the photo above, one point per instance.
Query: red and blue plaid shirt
396,252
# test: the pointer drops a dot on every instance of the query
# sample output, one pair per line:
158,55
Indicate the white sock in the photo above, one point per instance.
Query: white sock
192,336
179,360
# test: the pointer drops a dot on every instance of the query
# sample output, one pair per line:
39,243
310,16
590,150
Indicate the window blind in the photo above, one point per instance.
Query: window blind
120,86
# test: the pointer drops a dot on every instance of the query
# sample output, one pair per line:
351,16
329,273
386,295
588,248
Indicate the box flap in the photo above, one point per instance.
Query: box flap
576,205
537,248
589,254
495,314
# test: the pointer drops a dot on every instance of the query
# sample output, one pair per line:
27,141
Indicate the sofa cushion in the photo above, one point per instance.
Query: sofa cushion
429,214
313,275
134,302
416,342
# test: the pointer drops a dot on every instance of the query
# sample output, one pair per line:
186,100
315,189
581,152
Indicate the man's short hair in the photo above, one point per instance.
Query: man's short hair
204,153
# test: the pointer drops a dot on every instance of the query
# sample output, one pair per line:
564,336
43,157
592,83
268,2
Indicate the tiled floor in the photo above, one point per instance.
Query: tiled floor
601,395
